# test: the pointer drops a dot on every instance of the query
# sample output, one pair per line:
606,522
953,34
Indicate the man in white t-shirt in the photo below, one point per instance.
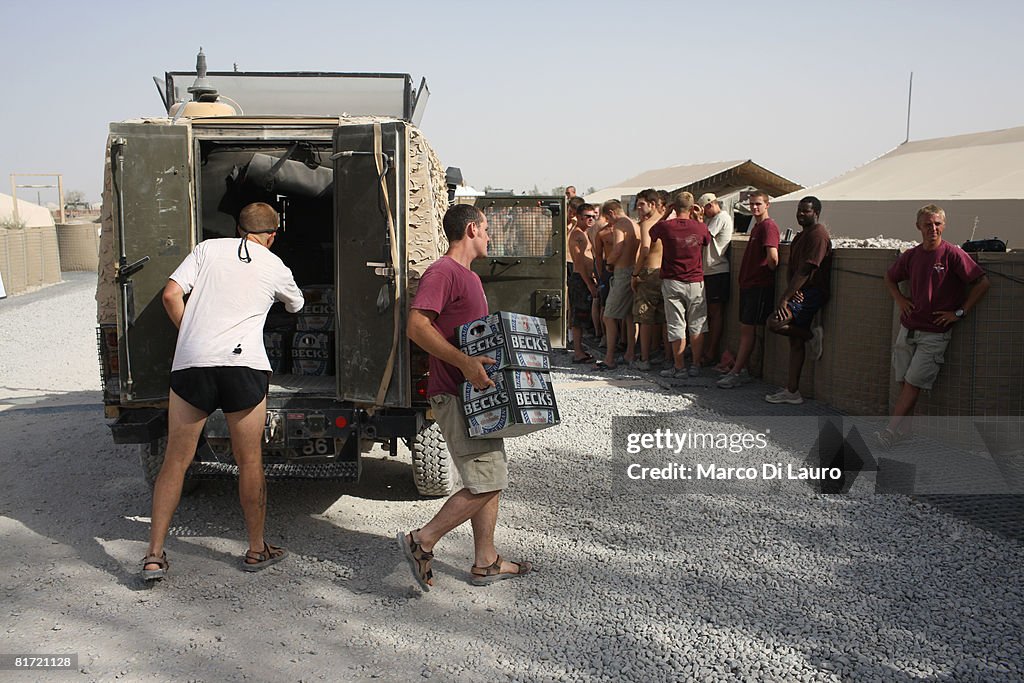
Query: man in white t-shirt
220,362
716,271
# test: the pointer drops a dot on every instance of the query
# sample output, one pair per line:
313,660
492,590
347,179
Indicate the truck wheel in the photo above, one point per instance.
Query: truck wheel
151,455
432,469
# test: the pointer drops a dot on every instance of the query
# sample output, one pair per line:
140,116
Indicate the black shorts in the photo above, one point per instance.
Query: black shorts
229,388
756,305
716,288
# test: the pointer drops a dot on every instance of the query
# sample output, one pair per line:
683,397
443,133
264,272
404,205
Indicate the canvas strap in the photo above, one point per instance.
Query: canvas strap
378,155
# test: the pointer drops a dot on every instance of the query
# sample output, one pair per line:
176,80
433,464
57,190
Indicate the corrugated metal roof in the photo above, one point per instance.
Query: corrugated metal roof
720,177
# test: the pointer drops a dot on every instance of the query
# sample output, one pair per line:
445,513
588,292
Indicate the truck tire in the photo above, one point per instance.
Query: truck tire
151,456
433,471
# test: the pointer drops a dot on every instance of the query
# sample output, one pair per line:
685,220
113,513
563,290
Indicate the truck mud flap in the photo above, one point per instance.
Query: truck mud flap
144,425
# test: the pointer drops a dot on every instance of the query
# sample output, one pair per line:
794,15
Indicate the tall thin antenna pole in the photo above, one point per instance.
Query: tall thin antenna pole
910,97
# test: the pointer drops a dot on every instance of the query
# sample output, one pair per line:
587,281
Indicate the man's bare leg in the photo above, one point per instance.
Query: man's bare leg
905,403
696,345
710,355
611,337
184,425
797,355
747,335
246,428
645,341
630,354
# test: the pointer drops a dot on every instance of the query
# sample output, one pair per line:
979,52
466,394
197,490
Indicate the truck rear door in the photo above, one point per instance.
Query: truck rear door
154,229
372,350
525,268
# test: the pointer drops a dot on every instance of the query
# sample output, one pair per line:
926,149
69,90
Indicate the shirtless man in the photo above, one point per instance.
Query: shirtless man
648,303
582,281
600,274
618,242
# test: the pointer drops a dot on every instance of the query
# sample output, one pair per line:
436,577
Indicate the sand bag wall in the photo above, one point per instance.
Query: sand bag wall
29,258
79,245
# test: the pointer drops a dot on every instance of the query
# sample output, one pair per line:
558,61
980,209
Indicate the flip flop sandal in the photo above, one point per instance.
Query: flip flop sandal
586,359
486,575
604,367
419,560
155,574
270,555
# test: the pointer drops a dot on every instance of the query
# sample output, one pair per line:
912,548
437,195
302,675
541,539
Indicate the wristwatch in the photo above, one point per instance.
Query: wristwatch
959,313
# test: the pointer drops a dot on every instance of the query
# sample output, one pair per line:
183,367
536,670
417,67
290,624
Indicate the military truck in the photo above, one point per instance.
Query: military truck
361,196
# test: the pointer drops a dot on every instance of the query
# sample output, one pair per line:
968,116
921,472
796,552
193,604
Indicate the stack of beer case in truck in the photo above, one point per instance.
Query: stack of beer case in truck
522,399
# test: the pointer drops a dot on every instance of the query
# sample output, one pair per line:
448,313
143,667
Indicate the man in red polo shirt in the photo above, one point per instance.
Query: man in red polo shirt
757,285
945,284
682,283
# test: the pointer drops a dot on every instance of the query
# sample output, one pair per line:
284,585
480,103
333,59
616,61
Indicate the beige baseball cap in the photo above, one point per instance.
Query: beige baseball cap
706,199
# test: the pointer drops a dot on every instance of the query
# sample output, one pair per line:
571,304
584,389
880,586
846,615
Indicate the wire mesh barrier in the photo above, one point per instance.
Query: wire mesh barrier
523,231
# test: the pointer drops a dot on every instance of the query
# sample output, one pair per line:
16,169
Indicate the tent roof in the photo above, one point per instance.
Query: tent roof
31,214
975,166
720,177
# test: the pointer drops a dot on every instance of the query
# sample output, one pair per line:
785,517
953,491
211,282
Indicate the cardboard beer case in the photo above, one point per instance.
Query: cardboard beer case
317,315
513,340
313,353
520,402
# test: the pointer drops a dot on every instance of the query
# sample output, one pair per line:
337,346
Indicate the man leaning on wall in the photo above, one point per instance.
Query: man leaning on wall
945,285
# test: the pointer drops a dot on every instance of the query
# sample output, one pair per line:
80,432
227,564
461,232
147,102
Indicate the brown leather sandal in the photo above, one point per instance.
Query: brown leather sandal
253,561
420,560
160,561
485,575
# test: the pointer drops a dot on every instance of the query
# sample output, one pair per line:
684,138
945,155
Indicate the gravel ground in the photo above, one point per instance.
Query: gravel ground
788,586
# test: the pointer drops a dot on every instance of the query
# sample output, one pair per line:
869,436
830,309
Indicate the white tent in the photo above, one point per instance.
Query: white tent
32,215
976,178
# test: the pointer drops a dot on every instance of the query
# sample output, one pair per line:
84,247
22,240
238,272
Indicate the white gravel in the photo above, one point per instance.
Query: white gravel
791,586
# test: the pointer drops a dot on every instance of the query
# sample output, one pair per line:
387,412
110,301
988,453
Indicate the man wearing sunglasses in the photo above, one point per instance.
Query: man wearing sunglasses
582,282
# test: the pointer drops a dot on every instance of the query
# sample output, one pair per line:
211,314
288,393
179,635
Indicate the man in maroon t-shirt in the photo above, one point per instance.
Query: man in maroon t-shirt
808,288
945,284
682,283
757,285
450,295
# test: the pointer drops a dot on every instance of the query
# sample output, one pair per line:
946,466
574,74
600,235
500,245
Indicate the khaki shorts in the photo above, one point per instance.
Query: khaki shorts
620,298
918,356
648,304
481,463
685,308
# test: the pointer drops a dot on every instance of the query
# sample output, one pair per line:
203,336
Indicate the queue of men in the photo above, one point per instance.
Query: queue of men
660,285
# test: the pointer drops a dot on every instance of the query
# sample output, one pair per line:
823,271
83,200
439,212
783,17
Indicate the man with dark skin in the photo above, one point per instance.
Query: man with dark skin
945,286
809,270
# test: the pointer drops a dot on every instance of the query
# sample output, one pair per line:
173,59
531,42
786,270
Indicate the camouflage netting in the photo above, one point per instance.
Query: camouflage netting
106,289
428,201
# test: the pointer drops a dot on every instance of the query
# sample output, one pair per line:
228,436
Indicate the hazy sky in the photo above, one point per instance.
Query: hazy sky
546,93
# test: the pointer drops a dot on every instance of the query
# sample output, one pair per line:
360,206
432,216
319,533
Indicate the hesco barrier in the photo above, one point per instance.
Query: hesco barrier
983,372
79,246
29,258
